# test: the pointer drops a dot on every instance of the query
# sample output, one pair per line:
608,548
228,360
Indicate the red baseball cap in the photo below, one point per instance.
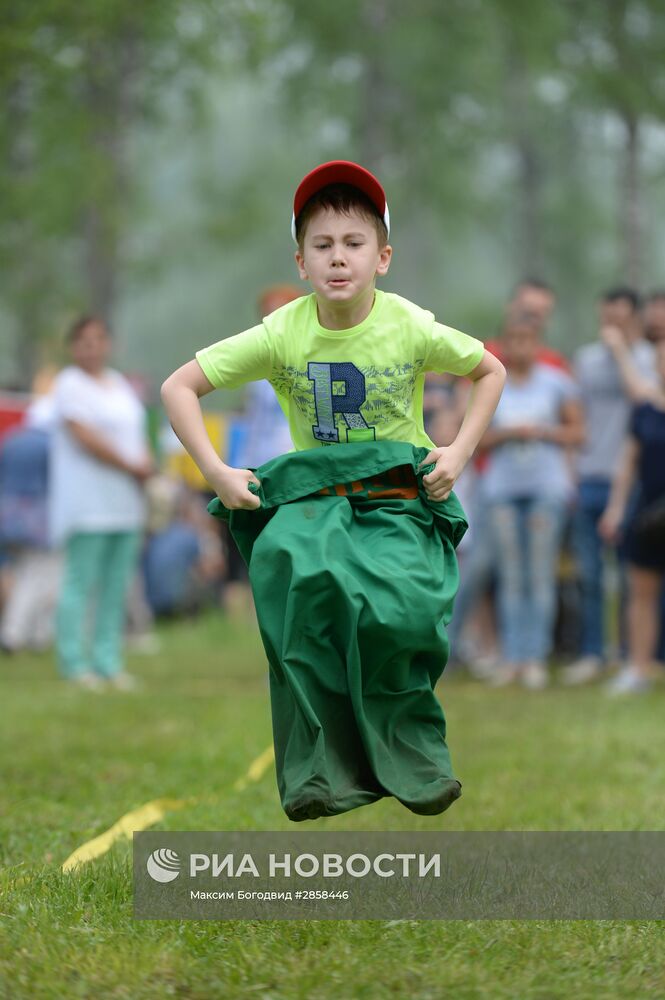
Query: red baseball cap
340,172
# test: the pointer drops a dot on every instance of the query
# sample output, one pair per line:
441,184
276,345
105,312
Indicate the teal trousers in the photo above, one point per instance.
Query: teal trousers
354,574
91,611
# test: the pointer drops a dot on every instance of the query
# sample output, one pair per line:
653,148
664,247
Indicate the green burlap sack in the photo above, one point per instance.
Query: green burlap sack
353,593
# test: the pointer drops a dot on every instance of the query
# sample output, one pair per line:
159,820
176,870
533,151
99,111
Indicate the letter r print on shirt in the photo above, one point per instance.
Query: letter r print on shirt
328,402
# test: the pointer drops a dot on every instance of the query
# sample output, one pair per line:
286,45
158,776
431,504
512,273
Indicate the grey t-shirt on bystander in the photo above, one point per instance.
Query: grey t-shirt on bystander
606,405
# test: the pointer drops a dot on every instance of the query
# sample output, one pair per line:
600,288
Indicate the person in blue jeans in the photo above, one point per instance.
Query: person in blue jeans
592,497
528,487
607,409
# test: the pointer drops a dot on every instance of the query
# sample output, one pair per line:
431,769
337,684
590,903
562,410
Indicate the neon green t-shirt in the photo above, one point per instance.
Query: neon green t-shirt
339,386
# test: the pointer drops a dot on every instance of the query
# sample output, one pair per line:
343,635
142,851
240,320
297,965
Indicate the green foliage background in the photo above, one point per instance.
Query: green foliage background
152,150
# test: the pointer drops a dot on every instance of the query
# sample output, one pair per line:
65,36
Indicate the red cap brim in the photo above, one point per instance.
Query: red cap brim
339,172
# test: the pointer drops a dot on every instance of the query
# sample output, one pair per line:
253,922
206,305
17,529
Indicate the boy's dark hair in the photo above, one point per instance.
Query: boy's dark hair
80,324
657,295
622,292
342,199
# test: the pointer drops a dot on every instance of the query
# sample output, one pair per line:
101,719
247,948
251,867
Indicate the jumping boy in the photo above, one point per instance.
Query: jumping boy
351,550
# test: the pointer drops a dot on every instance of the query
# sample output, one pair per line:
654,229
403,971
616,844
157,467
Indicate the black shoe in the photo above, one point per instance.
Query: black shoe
443,800
307,809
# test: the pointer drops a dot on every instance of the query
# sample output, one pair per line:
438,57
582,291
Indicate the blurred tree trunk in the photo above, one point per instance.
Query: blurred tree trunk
571,245
21,236
100,260
109,107
629,104
629,204
529,253
374,140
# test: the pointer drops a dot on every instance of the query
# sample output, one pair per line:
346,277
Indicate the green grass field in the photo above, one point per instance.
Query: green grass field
74,762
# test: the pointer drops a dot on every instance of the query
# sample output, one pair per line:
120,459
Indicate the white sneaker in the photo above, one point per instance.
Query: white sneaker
145,644
505,673
535,675
124,682
628,681
481,668
587,668
89,681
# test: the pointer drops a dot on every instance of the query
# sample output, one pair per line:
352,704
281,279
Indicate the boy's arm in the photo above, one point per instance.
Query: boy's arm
488,378
180,395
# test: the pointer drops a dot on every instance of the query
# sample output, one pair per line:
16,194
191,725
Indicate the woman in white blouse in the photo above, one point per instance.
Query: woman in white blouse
99,462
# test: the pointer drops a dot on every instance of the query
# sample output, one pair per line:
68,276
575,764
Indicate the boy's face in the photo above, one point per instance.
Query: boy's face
340,256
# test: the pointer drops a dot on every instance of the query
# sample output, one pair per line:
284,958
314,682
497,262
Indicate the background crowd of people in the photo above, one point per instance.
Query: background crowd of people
565,496
99,534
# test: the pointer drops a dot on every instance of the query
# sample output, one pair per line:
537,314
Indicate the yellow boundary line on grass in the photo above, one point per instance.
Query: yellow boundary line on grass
256,769
151,813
